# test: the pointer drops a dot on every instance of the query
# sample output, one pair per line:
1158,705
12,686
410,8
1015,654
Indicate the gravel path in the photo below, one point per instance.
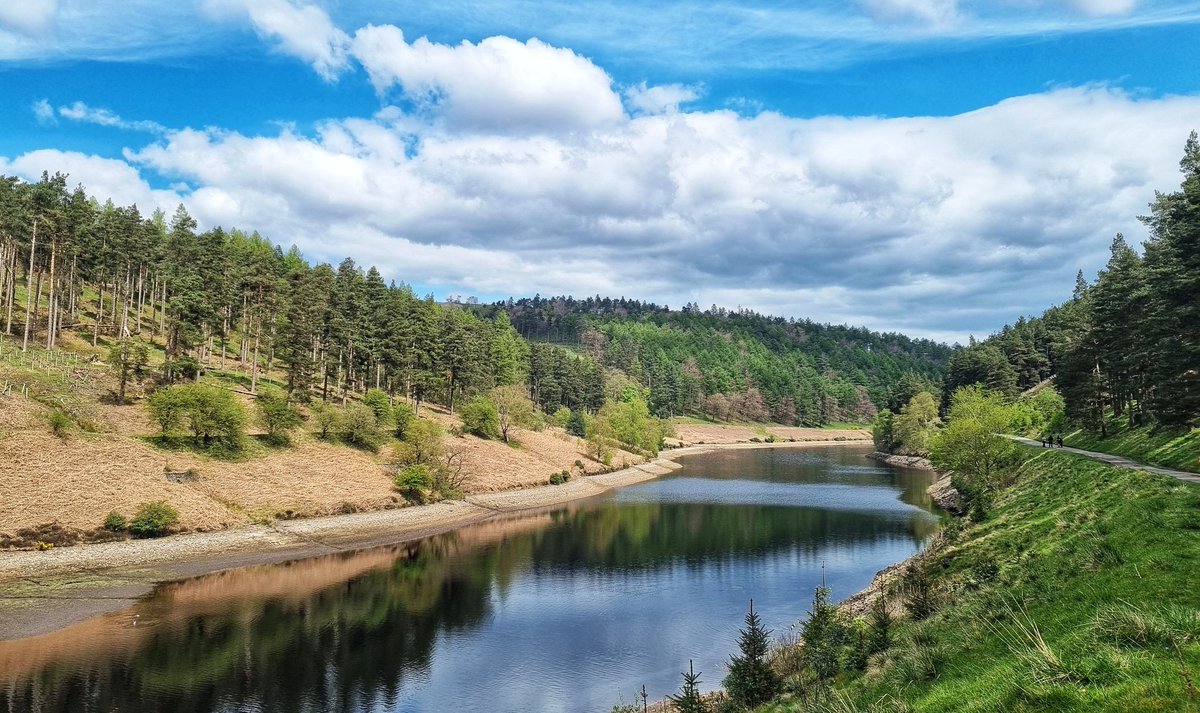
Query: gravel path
1119,461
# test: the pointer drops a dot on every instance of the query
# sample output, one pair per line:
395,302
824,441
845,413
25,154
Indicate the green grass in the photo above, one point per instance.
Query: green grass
845,425
1072,596
1178,448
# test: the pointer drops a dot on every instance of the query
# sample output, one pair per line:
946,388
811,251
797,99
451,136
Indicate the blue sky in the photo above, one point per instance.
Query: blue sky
935,167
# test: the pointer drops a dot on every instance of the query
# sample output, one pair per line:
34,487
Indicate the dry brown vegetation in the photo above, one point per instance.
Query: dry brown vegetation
77,480
105,462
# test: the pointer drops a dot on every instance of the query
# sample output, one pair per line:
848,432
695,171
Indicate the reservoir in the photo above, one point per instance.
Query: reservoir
573,608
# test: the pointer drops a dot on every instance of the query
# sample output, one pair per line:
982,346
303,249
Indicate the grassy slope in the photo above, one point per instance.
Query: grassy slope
1168,448
1068,539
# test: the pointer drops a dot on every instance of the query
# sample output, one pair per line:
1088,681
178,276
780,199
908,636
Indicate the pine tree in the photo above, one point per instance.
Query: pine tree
688,699
1173,265
824,635
751,680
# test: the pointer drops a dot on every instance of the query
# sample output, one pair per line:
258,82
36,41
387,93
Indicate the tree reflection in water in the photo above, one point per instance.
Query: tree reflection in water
360,631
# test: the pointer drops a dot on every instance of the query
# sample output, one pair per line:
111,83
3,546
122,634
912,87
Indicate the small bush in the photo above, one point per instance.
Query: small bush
378,401
329,422
402,415
560,417
360,428
481,418
414,482
276,414
153,519
115,522
59,422
918,591
560,477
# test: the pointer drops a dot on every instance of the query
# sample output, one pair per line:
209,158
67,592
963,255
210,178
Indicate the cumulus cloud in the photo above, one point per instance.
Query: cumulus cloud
500,84
660,99
28,17
937,226
102,177
301,30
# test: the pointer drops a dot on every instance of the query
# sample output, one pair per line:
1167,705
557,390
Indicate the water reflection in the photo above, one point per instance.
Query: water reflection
558,611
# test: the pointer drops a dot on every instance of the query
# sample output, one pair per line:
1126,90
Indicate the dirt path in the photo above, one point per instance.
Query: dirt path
1118,461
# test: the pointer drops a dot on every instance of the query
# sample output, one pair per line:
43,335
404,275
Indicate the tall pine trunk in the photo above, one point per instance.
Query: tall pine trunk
28,284
50,304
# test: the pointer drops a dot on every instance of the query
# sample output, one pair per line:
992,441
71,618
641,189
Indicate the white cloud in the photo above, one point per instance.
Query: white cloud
302,30
1103,7
935,226
81,112
28,17
660,99
44,112
101,177
499,84
935,13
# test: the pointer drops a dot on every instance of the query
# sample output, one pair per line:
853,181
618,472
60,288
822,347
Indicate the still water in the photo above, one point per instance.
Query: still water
565,610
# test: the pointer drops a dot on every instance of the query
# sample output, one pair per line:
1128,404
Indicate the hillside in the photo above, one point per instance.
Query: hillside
108,458
732,364
1075,594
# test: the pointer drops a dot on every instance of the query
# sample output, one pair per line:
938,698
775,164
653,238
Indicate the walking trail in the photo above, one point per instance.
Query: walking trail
1118,461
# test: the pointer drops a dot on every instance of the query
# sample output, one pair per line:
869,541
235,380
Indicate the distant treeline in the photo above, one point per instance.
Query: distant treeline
733,364
232,299
1127,343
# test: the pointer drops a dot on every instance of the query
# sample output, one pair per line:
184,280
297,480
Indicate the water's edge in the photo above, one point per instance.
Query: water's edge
42,592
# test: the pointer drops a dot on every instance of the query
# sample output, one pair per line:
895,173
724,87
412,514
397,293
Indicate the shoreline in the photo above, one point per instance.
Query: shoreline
41,592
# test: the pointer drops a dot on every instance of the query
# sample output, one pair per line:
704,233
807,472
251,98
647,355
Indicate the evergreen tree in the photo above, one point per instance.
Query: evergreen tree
824,636
689,700
751,680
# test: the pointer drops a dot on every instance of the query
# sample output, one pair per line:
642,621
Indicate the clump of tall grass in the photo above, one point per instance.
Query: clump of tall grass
917,658
841,702
1025,641
1165,626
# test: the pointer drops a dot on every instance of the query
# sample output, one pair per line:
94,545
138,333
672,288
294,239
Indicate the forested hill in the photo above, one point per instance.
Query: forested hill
230,300
733,364
1127,343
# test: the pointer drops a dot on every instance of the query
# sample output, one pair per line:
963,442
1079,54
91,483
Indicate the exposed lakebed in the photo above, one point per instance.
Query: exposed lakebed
561,610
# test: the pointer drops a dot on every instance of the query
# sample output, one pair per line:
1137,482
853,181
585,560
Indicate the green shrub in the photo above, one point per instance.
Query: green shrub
166,407
59,422
414,482
153,519
210,412
329,421
402,416
115,522
560,417
481,418
359,427
275,413
560,477
379,403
